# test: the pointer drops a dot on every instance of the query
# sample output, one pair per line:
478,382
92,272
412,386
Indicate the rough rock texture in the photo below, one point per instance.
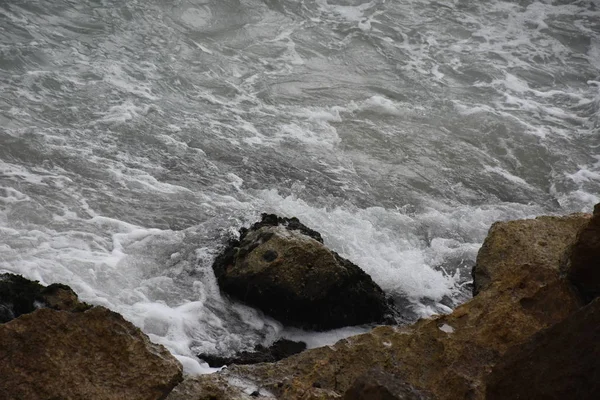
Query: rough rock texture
524,243
448,356
583,260
561,362
19,296
282,267
216,387
95,354
379,385
279,350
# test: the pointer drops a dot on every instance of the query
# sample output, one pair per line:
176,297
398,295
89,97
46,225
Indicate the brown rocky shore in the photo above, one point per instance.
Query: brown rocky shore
531,331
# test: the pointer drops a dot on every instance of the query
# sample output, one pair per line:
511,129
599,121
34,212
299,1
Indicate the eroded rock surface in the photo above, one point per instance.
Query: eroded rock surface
540,241
96,354
379,385
561,362
282,267
450,356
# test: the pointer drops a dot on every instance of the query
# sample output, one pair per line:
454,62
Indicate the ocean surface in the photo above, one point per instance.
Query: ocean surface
137,135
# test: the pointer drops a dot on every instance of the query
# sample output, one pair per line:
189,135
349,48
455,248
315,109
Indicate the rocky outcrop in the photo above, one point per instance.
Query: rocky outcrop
19,296
561,362
95,354
526,242
216,387
379,385
282,267
279,350
583,260
448,356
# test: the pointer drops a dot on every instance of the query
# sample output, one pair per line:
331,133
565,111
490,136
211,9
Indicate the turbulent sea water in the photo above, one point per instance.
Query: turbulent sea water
136,135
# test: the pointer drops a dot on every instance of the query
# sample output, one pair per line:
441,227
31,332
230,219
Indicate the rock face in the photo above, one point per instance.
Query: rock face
20,296
561,362
215,387
95,354
524,242
379,385
449,356
279,350
282,267
583,261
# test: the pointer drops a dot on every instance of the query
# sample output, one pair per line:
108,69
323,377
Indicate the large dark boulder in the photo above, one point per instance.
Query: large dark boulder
282,267
583,259
95,354
560,362
19,296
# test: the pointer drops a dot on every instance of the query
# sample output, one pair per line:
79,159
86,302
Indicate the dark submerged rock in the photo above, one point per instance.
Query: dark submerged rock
19,296
279,350
583,260
560,362
281,266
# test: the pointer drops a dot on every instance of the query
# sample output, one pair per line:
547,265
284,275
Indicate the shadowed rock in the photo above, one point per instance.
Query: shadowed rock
583,261
19,296
282,267
277,351
561,362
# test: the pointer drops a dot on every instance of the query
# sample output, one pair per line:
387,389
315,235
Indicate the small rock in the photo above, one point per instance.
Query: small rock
282,267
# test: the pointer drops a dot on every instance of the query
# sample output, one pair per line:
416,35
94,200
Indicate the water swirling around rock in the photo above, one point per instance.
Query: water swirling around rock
134,136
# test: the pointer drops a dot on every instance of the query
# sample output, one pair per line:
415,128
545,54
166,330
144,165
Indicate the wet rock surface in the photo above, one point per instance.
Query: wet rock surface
561,362
583,260
379,385
282,267
279,350
19,296
96,354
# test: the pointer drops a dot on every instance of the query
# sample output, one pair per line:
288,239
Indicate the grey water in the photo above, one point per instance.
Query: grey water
135,136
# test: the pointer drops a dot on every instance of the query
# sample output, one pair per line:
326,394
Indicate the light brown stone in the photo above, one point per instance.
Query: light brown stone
95,354
541,241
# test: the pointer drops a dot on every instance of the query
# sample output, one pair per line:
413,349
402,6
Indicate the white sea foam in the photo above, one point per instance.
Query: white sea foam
132,146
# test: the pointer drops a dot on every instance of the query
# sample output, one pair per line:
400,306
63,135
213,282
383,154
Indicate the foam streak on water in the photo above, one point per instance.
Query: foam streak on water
136,136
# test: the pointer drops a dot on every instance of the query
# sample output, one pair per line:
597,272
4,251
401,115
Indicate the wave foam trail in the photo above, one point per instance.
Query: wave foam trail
136,137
